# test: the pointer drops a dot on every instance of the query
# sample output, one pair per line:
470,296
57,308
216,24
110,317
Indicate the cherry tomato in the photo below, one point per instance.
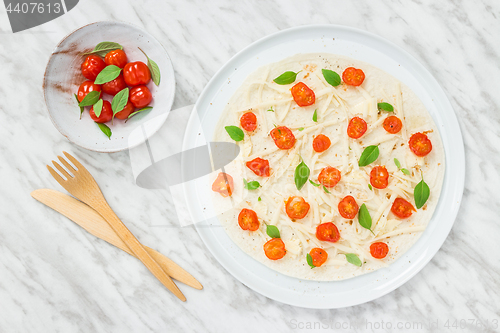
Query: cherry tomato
136,73
303,95
117,58
140,96
402,208
106,113
85,88
259,166
92,66
321,143
283,137
275,249
379,250
348,207
247,219
115,86
329,176
296,208
248,121
318,256
127,111
420,144
327,232
353,76
392,124
223,184
379,177
356,128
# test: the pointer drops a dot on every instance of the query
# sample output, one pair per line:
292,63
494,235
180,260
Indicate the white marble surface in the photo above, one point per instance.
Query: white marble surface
55,277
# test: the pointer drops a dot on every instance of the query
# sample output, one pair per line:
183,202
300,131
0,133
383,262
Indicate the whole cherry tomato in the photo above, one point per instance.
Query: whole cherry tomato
321,143
117,58
356,128
327,232
348,207
303,95
379,177
329,176
353,76
420,144
248,121
140,96
223,184
259,166
402,208
136,73
275,249
392,124
379,250
127,111
106,113
318,256
247,219
85,88
115,86
92,66
283,137
296,208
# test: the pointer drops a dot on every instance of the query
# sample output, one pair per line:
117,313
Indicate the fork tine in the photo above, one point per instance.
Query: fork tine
79,166
56,176
62,170
66,164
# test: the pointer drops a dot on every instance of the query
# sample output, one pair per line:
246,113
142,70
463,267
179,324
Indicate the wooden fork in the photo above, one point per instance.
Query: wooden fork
84,187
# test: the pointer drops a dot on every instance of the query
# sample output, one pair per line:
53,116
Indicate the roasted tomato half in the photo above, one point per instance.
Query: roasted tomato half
136,73
321,143
296,208
392,124
248,121
303,95
92,66
283,137
106,113
327,232
348,208
318,256
117,58
275,249
247,219
420,144
85,88
115,86
379,250
402,208
353,76
329,176
356,128
379,177
259,166
223,184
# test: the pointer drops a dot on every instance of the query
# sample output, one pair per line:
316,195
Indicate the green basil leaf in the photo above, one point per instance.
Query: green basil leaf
154,69
331,77
364,218
396,161
105,129
81,107
326,190
385,106
313,183
302,173
235,133
91,98
103,48
147,108
259,199
301,129
370,187
272,231
310,261
271,109
119,101
353,259
253,185
98,108
369,155
421,193
286,78
405,171
109,73
315,116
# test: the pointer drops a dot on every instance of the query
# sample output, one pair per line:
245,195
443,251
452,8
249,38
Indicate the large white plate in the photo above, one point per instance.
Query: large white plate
383,54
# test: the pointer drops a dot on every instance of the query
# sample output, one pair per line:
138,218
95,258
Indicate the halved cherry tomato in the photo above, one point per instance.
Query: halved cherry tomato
420,144
353,76
392,124
85,88
275,249
303,95
136,73
379,177
296,208
356,128
127,111
115,86
379,250
329,176
117,58
247,219
283,137
248,121
327,232
402,208
106,113
321,143
223,184
259,166
348,207
140,96
318,256
92,66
